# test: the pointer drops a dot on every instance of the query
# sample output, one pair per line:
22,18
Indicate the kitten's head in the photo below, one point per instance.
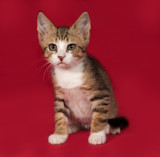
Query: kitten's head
64,46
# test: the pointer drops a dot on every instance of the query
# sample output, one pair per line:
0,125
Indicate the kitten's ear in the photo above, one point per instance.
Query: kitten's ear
82,25
44,25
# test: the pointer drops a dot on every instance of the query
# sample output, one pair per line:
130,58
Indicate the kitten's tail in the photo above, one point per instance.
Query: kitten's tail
118,122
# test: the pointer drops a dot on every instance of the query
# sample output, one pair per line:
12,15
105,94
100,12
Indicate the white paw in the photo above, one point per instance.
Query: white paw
107,129
86,126
115,131
73,128
57,139
97,138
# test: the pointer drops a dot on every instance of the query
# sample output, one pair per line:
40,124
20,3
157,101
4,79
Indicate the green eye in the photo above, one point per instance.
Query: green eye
71,46
52,47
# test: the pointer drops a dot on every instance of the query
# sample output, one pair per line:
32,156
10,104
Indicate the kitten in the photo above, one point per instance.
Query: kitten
84,96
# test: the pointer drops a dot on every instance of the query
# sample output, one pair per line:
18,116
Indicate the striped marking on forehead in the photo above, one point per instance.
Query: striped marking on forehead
62,33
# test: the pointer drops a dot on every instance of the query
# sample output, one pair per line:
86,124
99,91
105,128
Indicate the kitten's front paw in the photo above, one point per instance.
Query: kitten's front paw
97,138
57,139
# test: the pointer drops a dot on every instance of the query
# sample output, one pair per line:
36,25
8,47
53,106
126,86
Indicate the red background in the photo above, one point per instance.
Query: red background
125,38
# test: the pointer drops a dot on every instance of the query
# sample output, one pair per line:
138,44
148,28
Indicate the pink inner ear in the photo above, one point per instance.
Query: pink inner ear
82,24
44,25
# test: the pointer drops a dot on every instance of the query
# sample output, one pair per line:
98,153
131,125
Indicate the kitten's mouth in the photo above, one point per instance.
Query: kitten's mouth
62,63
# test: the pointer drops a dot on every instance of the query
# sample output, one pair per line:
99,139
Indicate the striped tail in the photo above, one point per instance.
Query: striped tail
118,122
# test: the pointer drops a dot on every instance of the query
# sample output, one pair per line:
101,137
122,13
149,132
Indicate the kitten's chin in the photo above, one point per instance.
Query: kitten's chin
66,65
62,65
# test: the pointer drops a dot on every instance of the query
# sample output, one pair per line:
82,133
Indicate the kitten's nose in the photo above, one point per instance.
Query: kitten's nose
61,58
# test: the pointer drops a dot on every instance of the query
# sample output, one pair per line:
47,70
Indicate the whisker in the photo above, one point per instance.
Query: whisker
41,67
74,62
49,66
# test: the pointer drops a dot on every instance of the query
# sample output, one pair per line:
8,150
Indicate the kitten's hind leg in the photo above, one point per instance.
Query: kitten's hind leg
111,130
116,124
73,127
86,126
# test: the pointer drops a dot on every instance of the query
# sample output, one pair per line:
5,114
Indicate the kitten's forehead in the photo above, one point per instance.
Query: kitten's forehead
62,33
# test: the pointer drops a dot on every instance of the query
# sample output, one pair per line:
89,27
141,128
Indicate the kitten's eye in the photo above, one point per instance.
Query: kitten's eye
71,46
52,47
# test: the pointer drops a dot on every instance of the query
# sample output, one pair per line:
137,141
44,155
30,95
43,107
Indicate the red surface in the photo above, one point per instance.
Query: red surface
125,37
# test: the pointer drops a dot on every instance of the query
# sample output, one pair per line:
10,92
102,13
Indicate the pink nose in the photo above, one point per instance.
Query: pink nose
61,58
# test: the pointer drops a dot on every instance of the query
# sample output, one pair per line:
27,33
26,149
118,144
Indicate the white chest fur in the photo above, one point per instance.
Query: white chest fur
79,105
69,78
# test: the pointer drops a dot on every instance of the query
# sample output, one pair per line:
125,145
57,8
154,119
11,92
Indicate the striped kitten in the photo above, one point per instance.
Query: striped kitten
84,96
